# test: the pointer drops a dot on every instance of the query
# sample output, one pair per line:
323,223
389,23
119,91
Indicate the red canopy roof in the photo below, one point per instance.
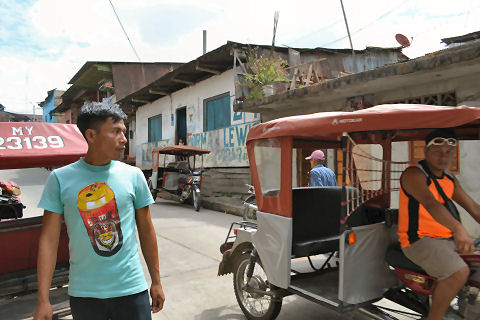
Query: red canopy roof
329,126
37,144
181,150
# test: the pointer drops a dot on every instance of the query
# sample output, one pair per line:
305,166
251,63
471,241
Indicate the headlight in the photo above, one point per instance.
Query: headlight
197,178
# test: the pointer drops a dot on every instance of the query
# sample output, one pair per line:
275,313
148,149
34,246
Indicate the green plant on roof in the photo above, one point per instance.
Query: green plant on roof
264,69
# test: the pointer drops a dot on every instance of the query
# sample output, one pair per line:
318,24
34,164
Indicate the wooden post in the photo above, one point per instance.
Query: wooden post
309,75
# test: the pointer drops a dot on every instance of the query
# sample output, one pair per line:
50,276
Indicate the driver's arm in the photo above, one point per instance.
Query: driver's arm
47,257
413,181
463,199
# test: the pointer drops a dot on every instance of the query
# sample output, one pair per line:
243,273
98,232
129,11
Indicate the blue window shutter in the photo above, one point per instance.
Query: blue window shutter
226,112
217,112
155,128
211,115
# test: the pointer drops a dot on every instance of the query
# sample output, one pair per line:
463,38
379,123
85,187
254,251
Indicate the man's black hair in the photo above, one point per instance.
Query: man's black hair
440,133
92,115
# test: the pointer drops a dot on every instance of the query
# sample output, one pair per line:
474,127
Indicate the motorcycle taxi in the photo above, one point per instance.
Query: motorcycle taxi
31,145
350,229
10,203
180,177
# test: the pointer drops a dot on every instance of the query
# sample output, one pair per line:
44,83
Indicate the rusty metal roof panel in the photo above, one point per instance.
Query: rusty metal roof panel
102,64
128,78
218,60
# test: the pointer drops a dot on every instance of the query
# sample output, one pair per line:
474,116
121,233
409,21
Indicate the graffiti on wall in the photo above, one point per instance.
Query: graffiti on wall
145,150
242,117
193,124
227,145
195,116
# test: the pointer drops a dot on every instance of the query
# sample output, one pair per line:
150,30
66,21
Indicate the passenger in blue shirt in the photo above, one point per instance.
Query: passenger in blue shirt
320,176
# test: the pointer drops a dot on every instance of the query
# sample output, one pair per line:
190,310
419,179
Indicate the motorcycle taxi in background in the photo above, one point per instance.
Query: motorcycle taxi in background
180,177
249,204
10,205
354,223
31,145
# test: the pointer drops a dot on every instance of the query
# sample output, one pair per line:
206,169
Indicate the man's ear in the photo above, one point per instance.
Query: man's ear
90,135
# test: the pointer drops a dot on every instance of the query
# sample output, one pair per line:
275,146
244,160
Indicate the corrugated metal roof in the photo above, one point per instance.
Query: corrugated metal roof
314,94
92,72
218,60
89,64
464,38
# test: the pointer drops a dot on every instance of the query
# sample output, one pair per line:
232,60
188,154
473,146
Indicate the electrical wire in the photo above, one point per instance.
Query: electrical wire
317,30
468,13
368,25
125,32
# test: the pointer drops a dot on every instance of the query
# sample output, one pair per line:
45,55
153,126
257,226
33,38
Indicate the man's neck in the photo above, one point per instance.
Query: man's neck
434,171
96,159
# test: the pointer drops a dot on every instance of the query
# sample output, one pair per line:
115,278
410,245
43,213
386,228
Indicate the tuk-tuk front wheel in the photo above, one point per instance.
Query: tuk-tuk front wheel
254,304
196,198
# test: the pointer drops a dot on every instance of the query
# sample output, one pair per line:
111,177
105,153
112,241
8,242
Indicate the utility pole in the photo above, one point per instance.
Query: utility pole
275,22
355,70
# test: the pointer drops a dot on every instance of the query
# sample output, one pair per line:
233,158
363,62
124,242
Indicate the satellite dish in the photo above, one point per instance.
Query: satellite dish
404,42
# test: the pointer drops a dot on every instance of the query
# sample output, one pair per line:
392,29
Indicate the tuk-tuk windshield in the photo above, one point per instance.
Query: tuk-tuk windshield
268,162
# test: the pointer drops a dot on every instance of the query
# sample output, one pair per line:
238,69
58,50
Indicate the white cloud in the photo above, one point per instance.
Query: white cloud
60,36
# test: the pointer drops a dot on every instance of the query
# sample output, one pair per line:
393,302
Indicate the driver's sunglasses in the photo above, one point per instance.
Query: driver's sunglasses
441,141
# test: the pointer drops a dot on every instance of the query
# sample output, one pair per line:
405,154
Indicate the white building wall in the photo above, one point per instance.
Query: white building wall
227,145
469,178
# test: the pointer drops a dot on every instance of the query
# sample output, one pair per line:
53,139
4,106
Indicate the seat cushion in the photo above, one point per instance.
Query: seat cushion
311,247
397,259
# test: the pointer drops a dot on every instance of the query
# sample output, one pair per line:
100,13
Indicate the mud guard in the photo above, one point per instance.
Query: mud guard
230,257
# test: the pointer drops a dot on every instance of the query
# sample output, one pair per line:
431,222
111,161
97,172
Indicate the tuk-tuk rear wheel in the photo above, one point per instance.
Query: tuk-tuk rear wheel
255,306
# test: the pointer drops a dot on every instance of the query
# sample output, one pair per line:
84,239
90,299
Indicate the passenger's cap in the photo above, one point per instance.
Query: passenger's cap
317,154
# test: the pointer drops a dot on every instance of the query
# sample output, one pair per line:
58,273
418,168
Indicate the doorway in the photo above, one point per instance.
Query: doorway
181,115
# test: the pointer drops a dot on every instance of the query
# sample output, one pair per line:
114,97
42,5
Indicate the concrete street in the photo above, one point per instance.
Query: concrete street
189,256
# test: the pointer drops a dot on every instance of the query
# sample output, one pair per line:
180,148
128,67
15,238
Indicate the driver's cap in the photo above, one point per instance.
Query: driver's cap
317,154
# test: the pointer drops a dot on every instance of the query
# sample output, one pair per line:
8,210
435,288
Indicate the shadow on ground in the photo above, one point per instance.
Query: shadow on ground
220,313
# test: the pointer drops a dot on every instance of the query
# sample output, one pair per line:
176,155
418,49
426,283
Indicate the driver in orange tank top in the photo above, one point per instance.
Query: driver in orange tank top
429,233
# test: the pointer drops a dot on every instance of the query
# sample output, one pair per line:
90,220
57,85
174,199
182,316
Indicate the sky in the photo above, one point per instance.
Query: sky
43,43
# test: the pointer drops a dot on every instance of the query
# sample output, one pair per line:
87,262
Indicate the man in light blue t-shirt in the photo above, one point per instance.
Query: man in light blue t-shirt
101,200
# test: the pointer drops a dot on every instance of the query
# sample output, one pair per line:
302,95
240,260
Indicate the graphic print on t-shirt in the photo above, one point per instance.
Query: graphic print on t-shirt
98,208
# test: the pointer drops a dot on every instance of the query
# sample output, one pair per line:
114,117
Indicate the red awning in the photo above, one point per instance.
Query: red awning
329,126
37,144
